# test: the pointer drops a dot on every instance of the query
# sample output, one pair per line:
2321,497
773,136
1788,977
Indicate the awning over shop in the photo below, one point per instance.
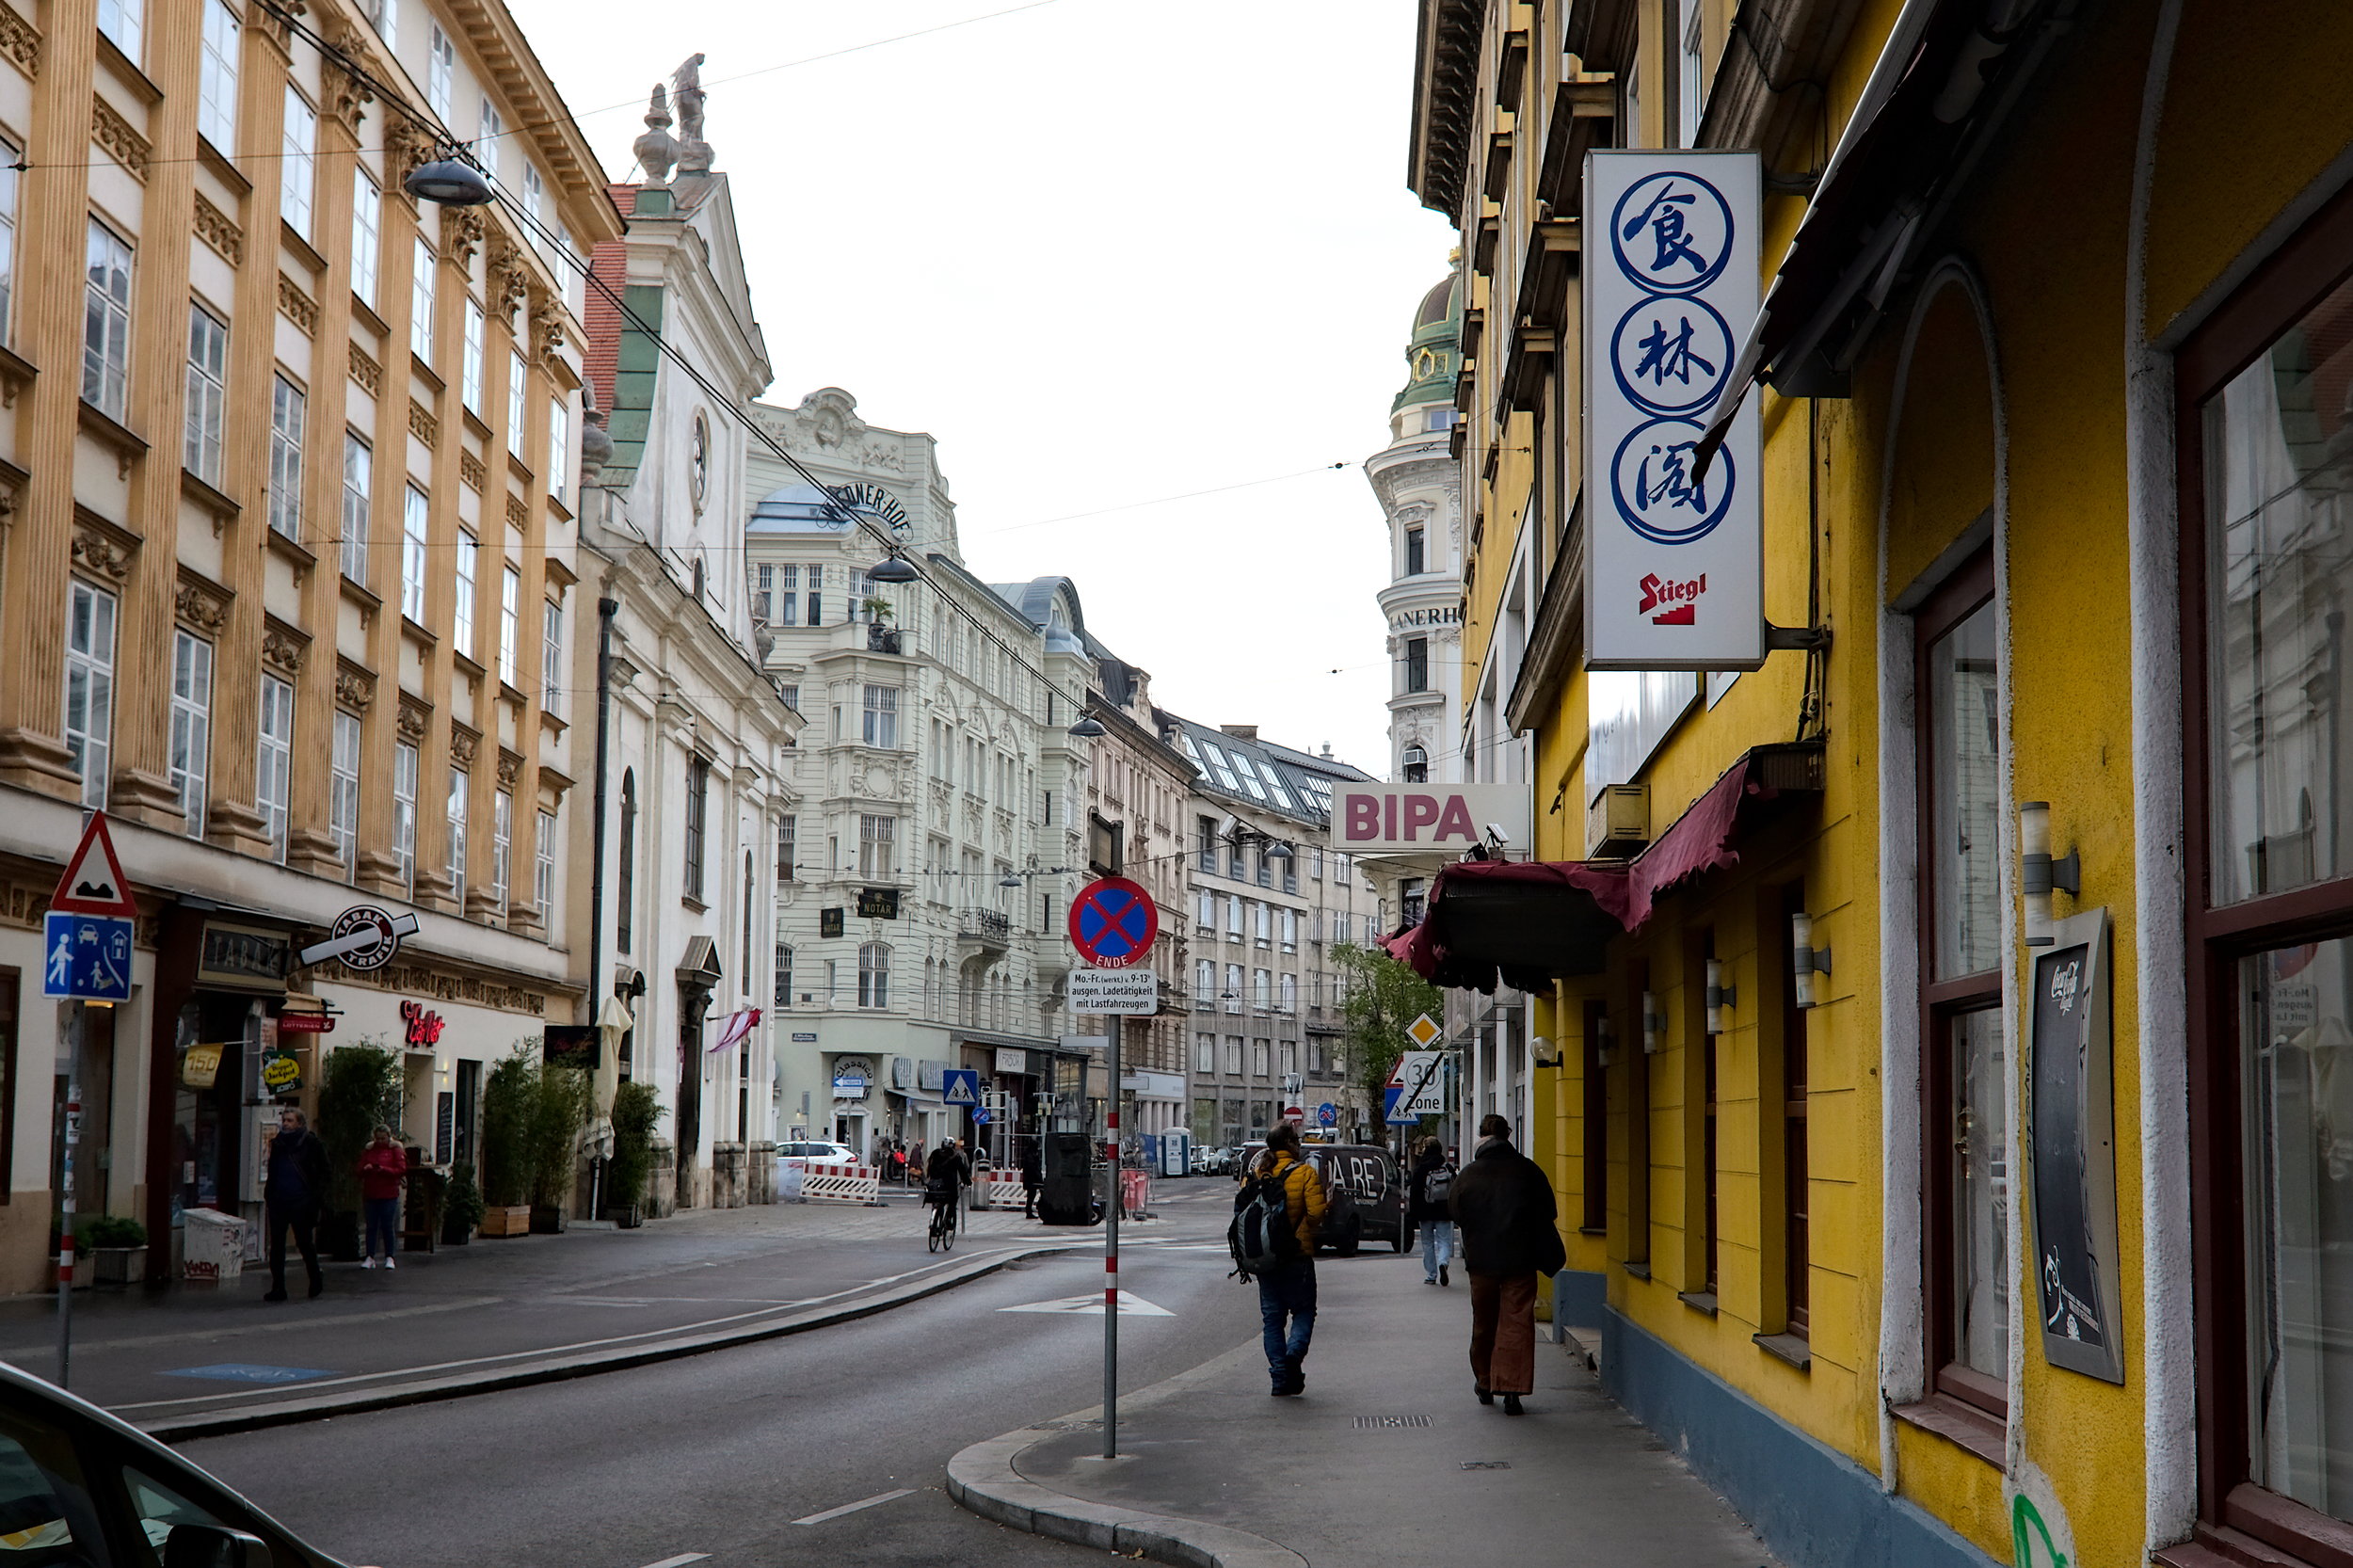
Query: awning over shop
1530,922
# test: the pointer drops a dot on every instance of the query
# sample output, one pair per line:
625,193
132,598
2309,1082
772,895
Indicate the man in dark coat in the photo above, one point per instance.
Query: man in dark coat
294,1191
1033,1175
1505,1208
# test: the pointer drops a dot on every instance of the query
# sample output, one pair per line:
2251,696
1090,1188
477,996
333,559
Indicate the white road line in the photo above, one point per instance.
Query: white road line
681,1561
845,1508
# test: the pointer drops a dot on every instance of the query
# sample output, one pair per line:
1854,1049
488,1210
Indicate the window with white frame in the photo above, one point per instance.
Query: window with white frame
461,619
405,812
788,848
1230,1063
1205,910
1203,982
217,77
208,393
784,974
470,369
551,655
90,687
1234,917
515,404
501,845
460,792
882,716
877,846
1286,994
1205,1053
107,322
342,791
490,141
763,594
440,71
384,16
123,21
874,975
510,624
298,149
421,282
274,761
359,486
534,206
367,223
543,869
191,725
559,446
287,407
1262,924
1693,80
1261,989
1290,931
1261,1058
9,158
1232,995
414,512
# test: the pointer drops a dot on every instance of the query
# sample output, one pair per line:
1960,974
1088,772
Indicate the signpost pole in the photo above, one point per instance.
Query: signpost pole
65,1221
1111,1249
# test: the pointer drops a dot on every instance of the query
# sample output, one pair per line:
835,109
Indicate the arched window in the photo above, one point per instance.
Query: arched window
784,974
625,898
698,578
1417,766
874,975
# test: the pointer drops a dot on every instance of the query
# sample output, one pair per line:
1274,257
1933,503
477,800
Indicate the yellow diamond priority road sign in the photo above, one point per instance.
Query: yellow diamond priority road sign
1424,1030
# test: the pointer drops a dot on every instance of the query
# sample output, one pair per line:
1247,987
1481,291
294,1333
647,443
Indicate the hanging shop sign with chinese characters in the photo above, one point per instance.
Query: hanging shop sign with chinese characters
1675,575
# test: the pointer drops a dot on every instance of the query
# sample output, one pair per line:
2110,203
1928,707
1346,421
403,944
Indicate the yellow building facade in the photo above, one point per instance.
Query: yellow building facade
2052,381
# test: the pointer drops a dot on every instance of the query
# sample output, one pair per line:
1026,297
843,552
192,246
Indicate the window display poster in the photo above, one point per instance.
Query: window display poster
2071,1122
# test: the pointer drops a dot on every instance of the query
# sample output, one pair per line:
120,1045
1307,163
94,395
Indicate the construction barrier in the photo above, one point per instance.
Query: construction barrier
998,1189
1135,1192
843,1182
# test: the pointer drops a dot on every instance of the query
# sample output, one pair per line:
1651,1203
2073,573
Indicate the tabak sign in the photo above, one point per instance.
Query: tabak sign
1675,577
1443,818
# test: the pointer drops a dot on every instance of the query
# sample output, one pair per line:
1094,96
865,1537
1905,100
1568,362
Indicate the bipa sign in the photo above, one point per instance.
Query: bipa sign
1676,562
1448,818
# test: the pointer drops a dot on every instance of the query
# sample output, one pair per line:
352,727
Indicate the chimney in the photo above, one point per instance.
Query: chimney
1327,751
1240,731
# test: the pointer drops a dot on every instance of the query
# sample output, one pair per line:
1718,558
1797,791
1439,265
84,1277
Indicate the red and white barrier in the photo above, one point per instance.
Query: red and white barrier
841,1182
998,1188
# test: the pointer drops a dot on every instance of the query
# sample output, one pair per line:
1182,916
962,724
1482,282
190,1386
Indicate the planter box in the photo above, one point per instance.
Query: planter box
514,1221
546,1219
117,1265
625,1219
454,1234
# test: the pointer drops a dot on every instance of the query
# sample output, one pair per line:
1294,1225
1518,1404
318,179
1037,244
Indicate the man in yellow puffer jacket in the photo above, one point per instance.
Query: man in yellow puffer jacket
1287,1294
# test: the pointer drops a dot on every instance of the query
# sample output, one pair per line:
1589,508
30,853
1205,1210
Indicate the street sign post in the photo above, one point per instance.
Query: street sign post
1424,1031
87,939
1114,993
1327,1114
1415,1090
89,957
93,882
1114,923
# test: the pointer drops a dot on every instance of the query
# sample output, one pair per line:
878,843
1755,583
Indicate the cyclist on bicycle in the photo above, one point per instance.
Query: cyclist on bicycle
946,1172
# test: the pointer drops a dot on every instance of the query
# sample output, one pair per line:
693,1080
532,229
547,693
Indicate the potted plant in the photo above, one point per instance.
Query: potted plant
461,1206
117,1248
559,1112
510,1098
360,1089
636,1112
881,636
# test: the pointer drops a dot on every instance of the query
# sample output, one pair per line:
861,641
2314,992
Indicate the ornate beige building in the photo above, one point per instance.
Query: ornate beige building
286,518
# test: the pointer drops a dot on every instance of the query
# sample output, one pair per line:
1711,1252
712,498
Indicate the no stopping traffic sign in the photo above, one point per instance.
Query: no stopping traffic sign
1114,923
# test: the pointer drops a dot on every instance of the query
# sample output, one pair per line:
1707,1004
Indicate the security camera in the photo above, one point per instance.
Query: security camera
1496,834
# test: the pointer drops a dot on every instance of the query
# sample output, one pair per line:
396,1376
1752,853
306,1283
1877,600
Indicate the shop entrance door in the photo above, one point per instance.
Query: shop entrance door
690,1091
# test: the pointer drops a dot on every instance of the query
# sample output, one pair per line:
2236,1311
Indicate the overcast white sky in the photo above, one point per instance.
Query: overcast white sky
1106,252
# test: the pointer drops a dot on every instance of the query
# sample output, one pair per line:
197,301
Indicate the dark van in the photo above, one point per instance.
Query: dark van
1366,1189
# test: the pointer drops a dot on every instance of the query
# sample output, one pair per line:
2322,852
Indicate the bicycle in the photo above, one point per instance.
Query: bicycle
942,1234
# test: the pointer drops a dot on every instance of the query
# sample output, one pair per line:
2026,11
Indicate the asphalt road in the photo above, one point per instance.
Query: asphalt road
731,1454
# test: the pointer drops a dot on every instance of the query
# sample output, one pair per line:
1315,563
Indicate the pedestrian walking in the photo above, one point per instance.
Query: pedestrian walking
1505,1207
383,1171
899,1162
1287,1292
1432,1182
1033,1175
292,1195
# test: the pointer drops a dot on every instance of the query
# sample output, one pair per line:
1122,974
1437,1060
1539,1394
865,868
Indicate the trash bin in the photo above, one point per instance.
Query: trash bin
212,1245
1066,1167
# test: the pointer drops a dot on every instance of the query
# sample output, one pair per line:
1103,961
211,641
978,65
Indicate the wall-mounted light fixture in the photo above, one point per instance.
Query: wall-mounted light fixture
1805,959
2038,872
1605,1042
1654,1025
1720,996
1546,1050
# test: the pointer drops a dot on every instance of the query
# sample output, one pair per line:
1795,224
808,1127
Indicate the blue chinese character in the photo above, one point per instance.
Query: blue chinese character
1673,484
1665,217
1663,356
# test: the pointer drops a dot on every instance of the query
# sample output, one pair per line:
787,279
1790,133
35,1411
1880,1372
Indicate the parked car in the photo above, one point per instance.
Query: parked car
801,1155
1208,1160
1365,1188
78,1486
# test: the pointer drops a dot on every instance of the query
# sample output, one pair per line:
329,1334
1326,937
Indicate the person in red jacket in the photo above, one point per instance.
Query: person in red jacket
383,1166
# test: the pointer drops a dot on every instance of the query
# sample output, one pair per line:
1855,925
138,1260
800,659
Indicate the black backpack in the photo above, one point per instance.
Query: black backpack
1436,1183
1261,1237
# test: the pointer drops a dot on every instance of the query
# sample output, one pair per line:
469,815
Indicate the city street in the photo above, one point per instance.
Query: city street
722,1454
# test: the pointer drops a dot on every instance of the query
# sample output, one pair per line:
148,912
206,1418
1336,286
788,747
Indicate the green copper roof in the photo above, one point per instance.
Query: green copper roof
1433,354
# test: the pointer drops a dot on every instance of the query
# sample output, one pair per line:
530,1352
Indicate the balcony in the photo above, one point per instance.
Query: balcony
991,929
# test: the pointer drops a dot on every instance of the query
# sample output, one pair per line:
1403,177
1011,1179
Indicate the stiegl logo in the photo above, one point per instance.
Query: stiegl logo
1684,596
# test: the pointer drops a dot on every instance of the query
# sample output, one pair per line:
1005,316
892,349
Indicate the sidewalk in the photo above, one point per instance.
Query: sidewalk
1386,1459
498,1312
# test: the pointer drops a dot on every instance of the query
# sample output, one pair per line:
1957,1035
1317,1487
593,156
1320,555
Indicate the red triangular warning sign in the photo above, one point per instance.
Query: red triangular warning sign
93,883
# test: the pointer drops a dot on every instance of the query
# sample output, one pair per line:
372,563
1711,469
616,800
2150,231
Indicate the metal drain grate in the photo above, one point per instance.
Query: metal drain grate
1369,1421
1487,1464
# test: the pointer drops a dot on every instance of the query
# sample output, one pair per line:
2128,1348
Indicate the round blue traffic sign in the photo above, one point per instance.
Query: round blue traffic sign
1114,923
1327,1114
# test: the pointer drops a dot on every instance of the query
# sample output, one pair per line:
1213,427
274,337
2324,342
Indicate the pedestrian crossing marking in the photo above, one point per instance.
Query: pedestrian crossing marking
1091,1305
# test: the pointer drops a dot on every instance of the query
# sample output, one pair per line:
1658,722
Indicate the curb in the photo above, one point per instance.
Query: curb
219,1423
982,1478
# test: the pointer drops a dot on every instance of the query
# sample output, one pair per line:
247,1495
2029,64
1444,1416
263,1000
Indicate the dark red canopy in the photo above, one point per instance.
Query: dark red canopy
1529,922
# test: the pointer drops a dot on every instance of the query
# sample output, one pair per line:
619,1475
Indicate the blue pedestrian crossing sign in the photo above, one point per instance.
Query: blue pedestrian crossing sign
961,1086
87,957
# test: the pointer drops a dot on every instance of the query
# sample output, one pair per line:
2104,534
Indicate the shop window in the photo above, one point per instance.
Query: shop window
2267,587
1964,1118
